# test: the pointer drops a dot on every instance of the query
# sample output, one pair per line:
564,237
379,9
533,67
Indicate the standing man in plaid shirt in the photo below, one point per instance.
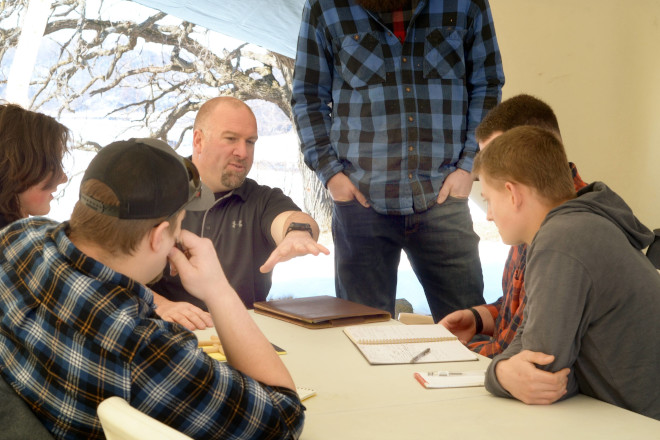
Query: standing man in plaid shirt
500,321
386,97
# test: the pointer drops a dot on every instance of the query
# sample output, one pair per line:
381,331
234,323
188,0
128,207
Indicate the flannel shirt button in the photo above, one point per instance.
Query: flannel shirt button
410,176
410,148
408,89
410,118
356,37
405,59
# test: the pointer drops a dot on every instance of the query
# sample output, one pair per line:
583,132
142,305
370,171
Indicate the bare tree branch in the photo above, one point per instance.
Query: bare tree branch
155,72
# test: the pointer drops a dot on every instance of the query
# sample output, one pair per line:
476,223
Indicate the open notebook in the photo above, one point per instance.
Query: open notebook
403,344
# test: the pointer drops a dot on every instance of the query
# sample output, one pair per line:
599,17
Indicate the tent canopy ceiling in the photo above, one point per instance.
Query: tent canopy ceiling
271,24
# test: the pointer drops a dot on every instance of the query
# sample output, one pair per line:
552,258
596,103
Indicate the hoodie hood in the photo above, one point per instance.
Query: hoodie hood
599,199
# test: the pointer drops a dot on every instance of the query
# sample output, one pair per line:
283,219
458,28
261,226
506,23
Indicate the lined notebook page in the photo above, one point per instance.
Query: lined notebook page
399,344
445,351
396,334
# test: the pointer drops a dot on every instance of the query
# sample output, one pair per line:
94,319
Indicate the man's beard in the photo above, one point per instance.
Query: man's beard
232,180
383,5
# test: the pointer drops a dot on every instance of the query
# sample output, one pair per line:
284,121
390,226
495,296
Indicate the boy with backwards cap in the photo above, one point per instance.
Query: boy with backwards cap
78,324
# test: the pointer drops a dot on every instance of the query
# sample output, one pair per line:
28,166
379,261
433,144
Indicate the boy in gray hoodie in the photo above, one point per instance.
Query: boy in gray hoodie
593,298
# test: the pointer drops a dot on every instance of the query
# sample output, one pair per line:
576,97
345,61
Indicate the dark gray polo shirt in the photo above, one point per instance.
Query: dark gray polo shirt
239,226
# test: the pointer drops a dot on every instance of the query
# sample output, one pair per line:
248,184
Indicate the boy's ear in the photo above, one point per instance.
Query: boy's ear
515,194
157,236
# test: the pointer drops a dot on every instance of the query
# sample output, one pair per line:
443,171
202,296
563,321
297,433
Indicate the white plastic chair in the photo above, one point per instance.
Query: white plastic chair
120,421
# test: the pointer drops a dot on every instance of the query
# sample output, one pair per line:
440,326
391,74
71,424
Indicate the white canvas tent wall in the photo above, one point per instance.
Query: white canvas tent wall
271,24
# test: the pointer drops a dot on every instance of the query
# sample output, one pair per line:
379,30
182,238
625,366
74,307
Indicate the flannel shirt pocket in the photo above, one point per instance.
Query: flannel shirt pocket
444,56
361,60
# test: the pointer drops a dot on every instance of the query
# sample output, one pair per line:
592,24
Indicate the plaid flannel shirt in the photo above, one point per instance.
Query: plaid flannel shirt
507,312
74,332
397,118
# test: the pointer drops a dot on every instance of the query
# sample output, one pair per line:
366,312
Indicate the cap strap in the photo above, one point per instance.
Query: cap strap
98,206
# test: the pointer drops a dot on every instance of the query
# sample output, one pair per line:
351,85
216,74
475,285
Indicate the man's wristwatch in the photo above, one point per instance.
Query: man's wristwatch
293,226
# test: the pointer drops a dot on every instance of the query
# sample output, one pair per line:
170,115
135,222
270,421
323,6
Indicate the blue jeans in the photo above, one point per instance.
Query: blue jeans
441,245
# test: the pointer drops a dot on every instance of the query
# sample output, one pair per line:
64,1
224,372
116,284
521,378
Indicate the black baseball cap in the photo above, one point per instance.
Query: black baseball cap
149,179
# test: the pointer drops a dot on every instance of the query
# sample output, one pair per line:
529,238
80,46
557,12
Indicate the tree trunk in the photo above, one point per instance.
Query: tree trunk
27,50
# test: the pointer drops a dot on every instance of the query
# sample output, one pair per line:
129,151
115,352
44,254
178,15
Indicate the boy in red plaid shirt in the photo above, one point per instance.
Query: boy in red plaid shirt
500,320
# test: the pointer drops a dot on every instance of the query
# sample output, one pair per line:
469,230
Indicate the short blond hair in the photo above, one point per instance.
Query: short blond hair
116,236
532,156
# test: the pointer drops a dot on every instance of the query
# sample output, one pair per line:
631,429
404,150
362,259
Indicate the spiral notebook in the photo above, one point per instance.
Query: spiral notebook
404,344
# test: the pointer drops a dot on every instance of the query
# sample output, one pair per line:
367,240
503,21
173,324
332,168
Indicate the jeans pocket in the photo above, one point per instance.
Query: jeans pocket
444,55
345,203
361,59
454,199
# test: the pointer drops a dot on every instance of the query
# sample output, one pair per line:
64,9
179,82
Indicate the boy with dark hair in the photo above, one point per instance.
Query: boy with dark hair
591,292
500,320
519,110
78,323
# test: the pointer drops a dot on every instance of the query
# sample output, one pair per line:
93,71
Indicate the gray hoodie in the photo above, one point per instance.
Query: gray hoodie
593,301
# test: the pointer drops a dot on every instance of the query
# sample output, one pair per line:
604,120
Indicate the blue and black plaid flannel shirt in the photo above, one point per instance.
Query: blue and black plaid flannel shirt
396,118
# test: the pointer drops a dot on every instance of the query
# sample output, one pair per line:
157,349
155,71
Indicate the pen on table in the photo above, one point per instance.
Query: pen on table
457,373
419,356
